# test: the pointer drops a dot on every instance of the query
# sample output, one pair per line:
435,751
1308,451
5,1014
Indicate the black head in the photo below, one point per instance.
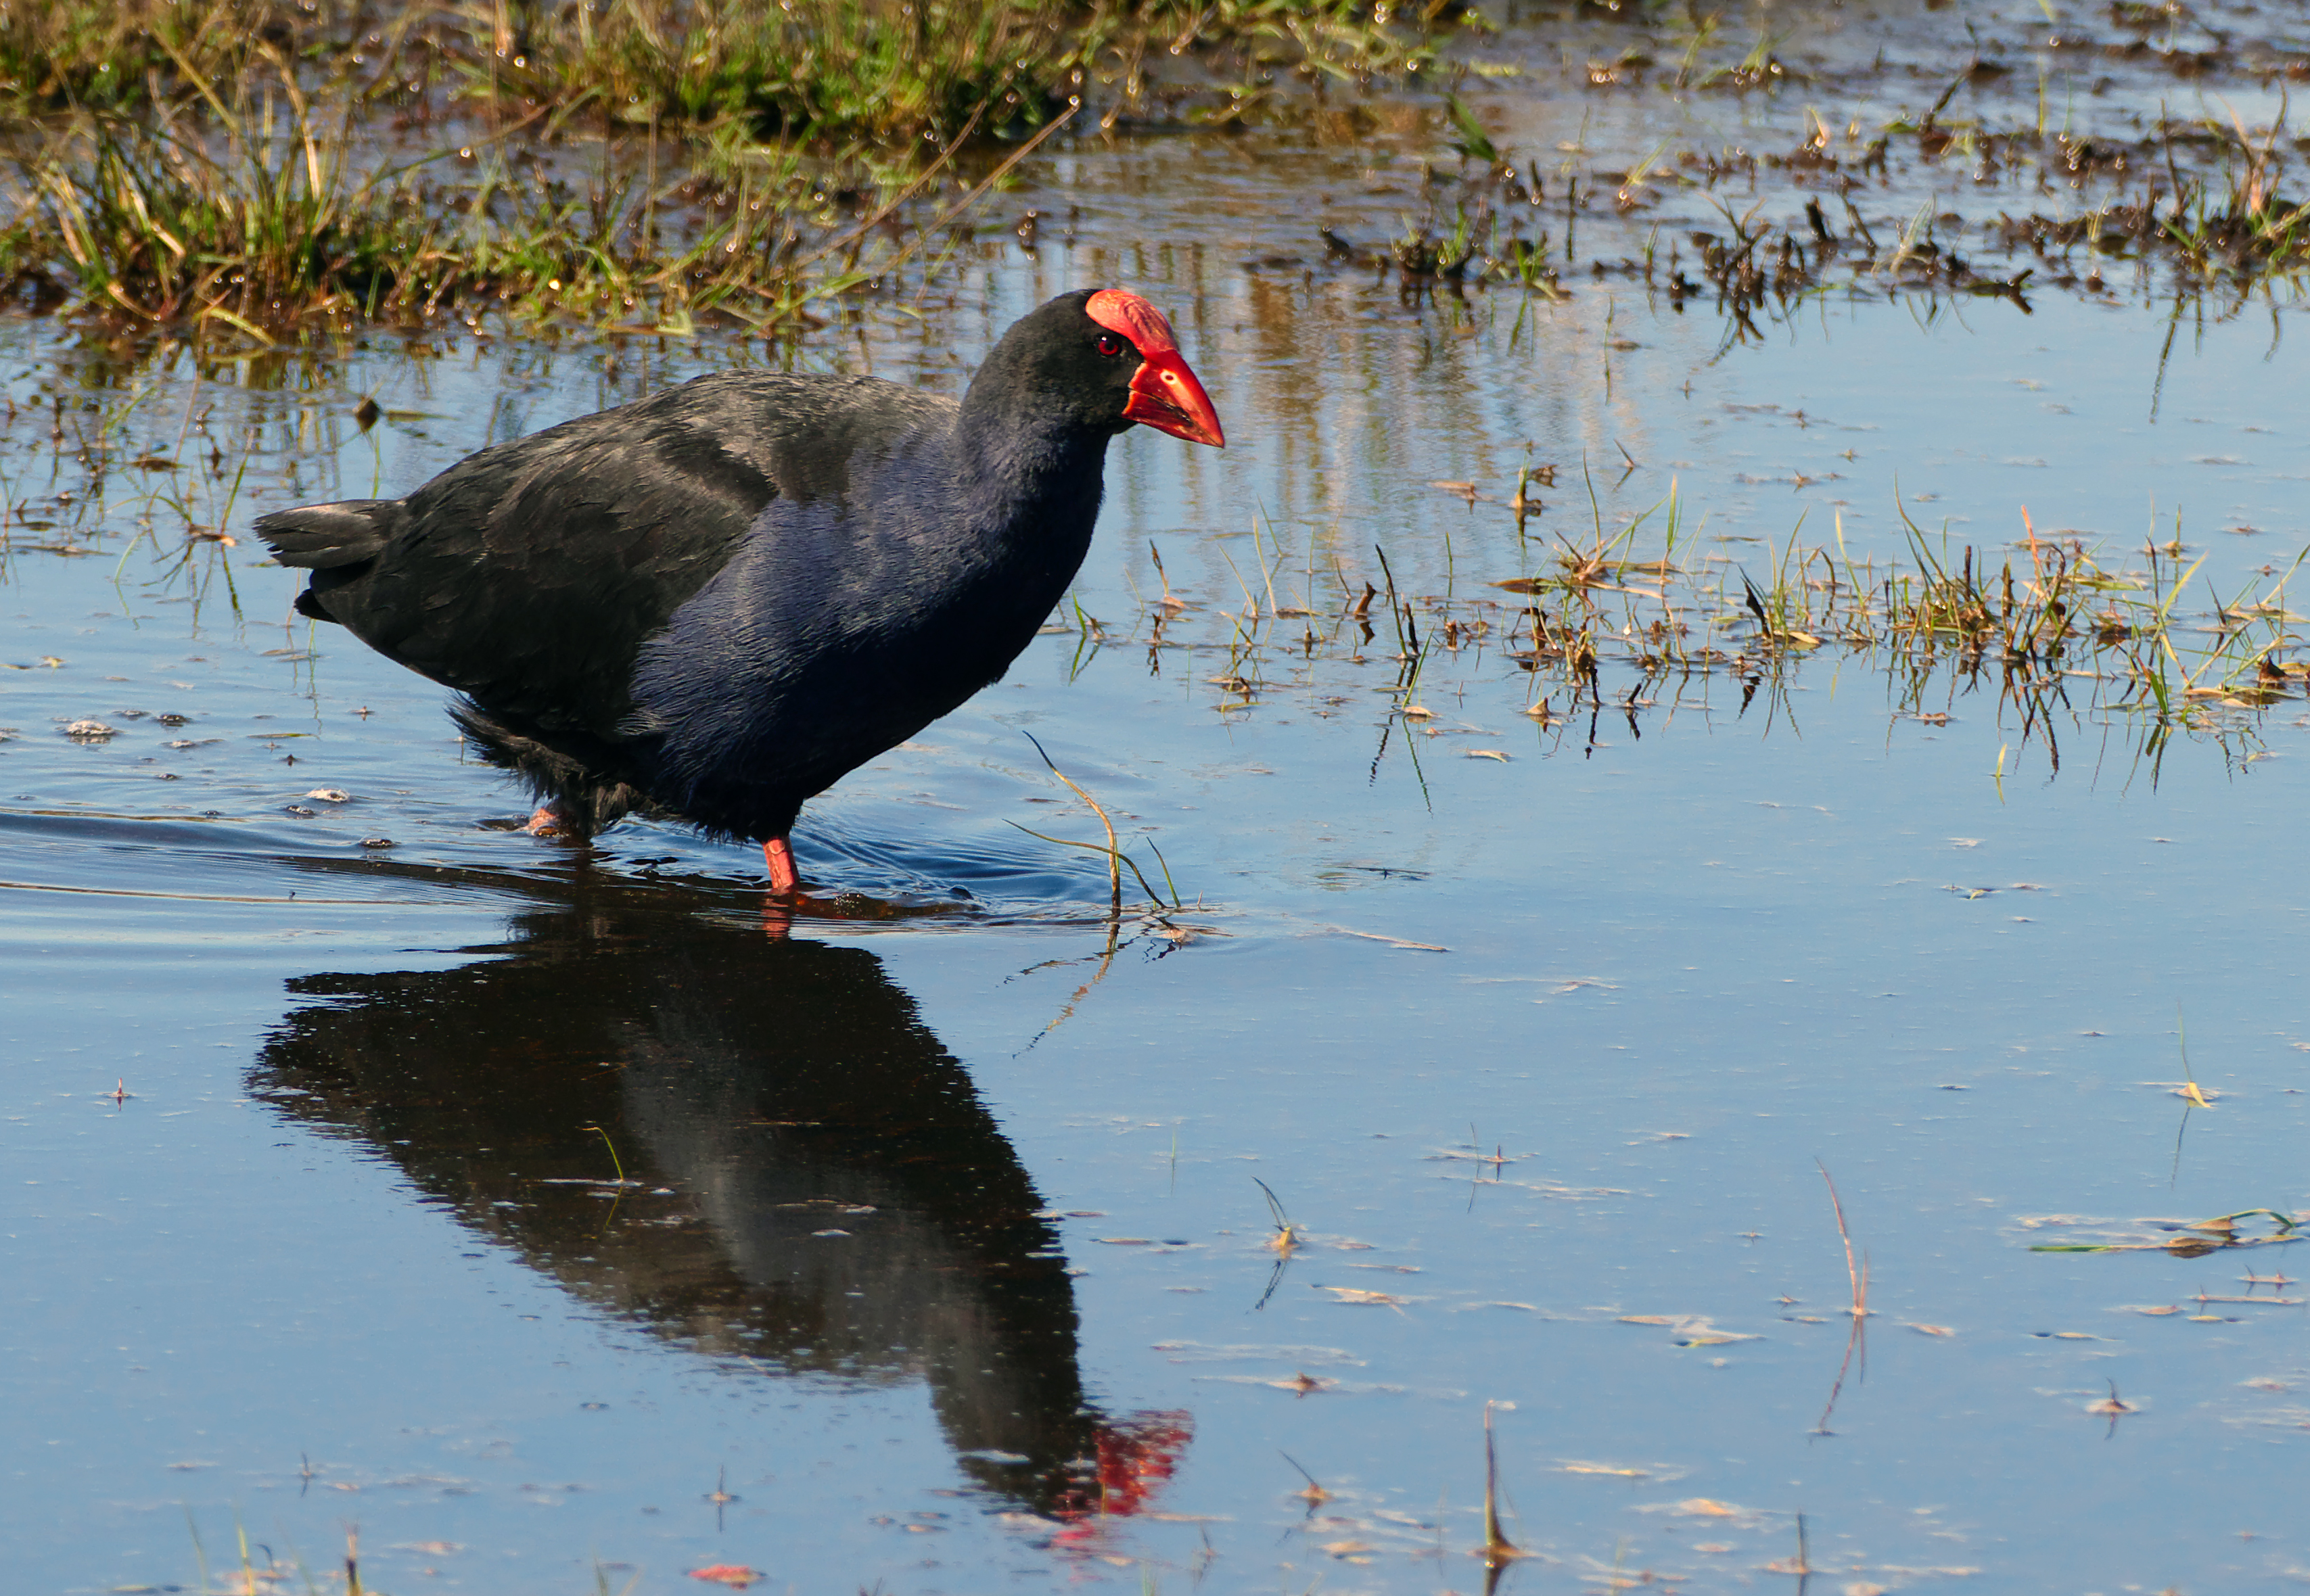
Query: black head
1099,360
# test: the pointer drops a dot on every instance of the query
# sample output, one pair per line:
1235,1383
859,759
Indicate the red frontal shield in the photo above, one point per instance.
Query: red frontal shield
1165,393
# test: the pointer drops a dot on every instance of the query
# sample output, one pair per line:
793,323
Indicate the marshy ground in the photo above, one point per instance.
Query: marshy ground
1745,629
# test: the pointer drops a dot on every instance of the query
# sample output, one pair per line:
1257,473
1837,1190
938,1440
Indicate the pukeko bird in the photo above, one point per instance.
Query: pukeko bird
713,603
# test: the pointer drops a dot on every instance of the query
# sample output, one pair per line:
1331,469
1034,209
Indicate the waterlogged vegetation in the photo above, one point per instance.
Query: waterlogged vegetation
256,166
266,165
831,68
2048,635
1653,918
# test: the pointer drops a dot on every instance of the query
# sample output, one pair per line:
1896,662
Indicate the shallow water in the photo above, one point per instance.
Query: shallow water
557,1221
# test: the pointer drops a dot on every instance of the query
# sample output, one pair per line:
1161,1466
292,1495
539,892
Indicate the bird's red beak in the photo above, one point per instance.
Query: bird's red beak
1164,392
1166,395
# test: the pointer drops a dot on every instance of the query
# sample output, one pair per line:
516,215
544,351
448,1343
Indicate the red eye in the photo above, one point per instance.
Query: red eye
1109,344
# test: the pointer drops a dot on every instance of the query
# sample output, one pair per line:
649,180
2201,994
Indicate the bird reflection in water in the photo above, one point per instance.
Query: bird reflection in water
755,1148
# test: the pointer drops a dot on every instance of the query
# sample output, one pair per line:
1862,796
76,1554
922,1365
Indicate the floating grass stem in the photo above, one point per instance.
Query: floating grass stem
1116,857
1858,1277
1314,1496
2189,1081
1285,1238
1497,1550
615,1163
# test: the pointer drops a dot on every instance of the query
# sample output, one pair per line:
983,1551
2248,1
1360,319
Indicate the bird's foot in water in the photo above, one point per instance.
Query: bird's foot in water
780,858
548,820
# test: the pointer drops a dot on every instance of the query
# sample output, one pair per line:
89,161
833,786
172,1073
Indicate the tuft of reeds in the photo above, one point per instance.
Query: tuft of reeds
253,211
895,70
839,67
57,55
170,224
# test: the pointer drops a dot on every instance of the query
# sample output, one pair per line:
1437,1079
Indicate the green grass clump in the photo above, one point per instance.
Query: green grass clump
907,68
110,54
887,71
810,66
268,211
638,163
159,220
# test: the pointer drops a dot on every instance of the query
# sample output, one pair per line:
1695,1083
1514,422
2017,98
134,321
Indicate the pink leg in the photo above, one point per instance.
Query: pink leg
779,858
546,820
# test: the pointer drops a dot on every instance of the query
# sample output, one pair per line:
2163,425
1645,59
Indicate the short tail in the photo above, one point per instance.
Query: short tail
322,537
330,537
